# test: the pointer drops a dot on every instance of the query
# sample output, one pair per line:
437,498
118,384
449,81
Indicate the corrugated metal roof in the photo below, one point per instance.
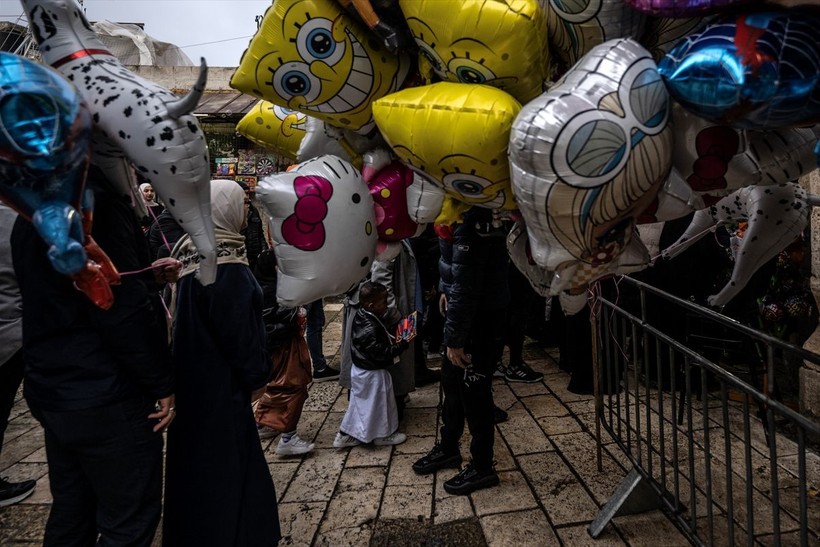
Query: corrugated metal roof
225,103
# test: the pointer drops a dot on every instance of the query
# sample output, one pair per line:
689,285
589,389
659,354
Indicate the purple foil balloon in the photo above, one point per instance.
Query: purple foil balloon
682,8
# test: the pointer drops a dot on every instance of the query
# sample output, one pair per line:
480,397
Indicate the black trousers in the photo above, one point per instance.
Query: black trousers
522,297
11,375
470,395
105,469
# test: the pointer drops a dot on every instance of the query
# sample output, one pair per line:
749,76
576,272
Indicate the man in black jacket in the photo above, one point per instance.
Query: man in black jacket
473,269
99,381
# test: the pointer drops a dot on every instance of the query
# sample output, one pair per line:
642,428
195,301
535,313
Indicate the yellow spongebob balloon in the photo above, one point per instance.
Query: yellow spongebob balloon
274,127
493,42
457,135
308,55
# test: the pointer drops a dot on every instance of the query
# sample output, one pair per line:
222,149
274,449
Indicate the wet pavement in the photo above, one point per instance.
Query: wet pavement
550,491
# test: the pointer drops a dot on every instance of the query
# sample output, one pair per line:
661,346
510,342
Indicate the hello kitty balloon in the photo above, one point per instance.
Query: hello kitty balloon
323,227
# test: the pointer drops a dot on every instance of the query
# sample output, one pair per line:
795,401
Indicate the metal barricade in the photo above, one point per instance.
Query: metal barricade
695,412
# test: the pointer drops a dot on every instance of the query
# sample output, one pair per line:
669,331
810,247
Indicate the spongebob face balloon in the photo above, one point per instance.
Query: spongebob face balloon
500,43
589,155
323,223
274,127
308,55
457,135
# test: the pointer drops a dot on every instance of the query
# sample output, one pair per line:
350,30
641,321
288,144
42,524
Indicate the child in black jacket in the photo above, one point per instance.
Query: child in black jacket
371,415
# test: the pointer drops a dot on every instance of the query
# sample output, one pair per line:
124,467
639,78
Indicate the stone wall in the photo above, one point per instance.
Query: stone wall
810,373
181,78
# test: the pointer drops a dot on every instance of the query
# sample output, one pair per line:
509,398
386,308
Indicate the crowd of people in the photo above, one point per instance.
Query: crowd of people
106,384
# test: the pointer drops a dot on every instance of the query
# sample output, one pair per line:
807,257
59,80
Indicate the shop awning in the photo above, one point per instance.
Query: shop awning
224,104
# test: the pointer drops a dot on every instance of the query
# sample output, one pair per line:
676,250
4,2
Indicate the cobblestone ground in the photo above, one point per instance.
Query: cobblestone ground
551,488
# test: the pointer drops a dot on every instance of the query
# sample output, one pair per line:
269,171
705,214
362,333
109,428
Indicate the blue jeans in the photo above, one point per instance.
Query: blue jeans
313,333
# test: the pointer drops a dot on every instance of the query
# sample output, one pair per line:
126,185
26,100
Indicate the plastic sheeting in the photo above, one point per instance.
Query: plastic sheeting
133,46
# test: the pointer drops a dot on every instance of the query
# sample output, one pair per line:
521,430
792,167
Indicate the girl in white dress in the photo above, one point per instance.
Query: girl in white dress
371,413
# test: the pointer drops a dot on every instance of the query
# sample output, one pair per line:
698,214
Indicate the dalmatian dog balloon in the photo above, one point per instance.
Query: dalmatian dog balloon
588,157
776,214
134,119
324,228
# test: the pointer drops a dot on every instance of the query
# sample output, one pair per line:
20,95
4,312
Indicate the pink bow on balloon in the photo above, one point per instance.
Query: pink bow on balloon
304,229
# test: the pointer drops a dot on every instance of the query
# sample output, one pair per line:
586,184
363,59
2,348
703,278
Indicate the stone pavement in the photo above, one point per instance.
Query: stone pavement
550,489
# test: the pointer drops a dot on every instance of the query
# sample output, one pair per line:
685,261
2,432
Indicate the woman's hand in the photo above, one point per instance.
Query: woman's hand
166,270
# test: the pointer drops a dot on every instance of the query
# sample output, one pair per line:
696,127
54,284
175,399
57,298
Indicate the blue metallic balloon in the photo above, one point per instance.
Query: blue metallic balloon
752,71
45,132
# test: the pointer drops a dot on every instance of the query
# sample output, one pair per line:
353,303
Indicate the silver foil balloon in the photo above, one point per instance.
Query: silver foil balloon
588,156
577,26
518,246
715,160
776,215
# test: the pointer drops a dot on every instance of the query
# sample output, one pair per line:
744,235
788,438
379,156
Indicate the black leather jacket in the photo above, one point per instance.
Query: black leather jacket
373,347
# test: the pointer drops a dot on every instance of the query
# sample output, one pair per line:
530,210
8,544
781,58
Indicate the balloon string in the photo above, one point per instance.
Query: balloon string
161,232
148,269
712,228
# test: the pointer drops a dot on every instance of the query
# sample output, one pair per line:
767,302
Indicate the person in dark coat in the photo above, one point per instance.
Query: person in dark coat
279,408
99,381
163,234
473,271
218,489
254,231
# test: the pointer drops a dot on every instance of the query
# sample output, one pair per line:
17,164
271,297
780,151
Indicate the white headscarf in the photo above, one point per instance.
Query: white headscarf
142,194
228,212
227,205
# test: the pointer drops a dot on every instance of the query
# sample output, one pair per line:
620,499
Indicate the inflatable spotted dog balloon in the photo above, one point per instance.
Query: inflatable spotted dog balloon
134,119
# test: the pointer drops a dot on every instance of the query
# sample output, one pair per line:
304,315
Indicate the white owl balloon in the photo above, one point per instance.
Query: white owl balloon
323,226
588,156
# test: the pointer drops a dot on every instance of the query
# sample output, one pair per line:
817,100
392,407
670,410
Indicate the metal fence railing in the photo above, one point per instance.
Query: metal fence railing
697,414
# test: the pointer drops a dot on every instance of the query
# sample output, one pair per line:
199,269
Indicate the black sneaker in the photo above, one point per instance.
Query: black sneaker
325,374
436,459
499,370
469,480
12,492
522,373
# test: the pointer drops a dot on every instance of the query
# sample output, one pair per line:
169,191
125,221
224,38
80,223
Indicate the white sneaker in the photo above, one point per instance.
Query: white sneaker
294,447
343,440
395,438
266,432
